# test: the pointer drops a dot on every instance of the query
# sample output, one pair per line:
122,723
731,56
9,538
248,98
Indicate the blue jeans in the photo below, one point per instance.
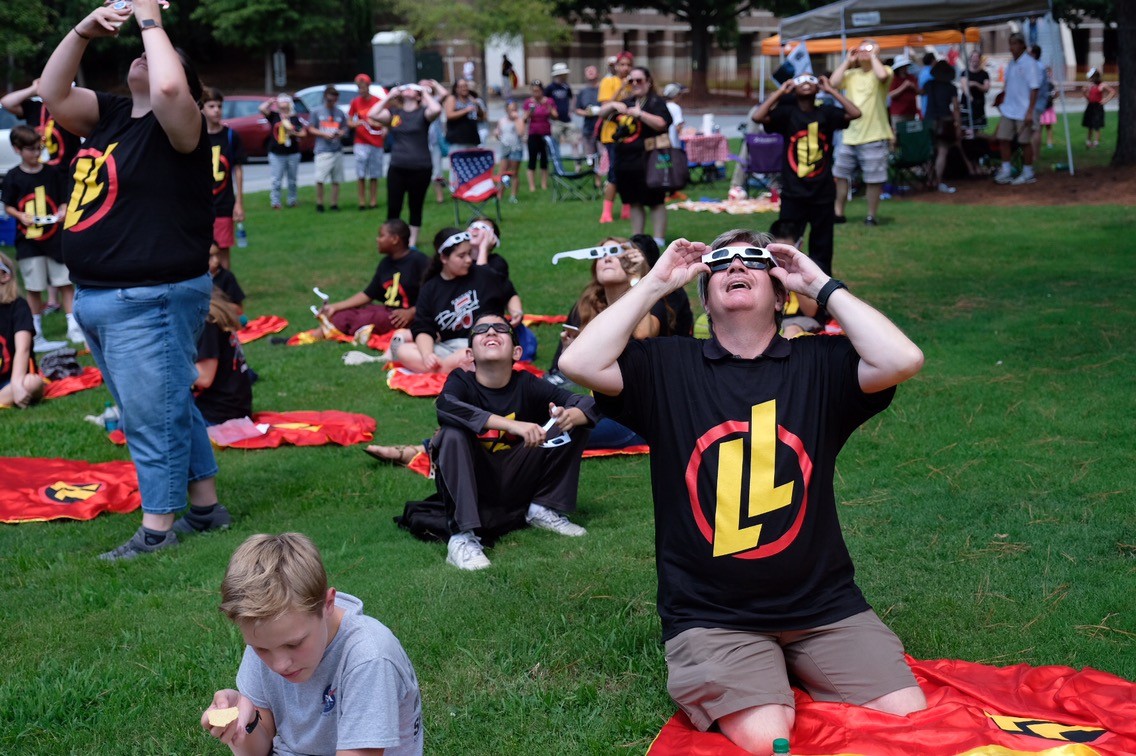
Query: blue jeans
283,166
144,340
609,434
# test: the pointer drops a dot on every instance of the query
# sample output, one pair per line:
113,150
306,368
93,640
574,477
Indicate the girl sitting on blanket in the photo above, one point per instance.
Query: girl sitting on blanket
454,291
223,389
20,386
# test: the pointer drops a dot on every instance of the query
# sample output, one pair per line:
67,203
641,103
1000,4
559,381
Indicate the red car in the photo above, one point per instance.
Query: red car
242,114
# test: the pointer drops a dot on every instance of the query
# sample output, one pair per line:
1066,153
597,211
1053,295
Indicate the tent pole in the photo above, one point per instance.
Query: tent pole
966,70
1061,93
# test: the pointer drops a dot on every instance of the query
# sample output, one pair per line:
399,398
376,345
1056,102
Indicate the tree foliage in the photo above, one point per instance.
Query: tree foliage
480,20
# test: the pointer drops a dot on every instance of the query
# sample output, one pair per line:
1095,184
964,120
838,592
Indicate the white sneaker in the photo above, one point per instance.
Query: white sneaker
75,336
40,344
947,189
1026,177
1004,176
464,552
546,519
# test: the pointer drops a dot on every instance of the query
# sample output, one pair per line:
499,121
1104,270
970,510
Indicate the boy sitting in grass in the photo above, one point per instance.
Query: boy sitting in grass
318,676
498,464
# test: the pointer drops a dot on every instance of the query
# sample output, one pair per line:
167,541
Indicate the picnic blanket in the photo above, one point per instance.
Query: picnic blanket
89,378
421,462
260,327
37,489
300,428
430,384
971,709
729,207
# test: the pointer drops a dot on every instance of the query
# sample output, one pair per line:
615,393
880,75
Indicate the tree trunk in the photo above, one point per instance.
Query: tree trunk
699,57
1126,59
268,70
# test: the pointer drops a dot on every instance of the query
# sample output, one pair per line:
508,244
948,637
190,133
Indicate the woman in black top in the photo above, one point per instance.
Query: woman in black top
408,112
943,114
975,85
136,240
464,111
641,117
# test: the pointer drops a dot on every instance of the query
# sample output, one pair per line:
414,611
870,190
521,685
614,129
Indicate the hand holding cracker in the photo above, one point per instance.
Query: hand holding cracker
229,716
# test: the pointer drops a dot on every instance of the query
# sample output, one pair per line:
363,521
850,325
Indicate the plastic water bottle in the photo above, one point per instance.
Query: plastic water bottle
242,236
111,417
781,746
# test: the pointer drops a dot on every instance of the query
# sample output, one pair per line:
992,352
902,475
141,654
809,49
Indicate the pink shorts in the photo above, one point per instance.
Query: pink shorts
1048,118
223,232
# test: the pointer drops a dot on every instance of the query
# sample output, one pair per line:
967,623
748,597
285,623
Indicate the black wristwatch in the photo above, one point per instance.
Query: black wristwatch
252,725
149,23
826,291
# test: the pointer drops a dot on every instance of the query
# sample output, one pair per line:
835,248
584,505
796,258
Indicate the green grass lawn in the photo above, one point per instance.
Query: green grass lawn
989,510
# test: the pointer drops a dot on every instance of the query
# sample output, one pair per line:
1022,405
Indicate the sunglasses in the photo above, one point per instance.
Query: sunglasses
481,328
755,258
637,80
806,79
589,253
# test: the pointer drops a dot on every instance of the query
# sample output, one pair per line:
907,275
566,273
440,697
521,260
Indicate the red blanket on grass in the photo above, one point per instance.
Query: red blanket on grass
301,428
971,709
37,489
421,462
88,379
261,327
430,384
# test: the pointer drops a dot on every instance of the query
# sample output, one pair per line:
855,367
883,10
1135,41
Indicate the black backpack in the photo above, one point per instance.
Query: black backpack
62,363
426,520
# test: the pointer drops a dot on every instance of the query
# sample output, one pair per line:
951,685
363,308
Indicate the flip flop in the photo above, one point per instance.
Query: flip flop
406,453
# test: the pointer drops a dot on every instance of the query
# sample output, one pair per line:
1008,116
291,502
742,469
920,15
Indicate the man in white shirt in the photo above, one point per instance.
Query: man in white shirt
670,92
1023,83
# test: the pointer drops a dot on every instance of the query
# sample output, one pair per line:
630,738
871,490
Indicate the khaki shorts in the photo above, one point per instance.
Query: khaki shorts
41,272
872,157
1010,129
329,167
443,349
713,672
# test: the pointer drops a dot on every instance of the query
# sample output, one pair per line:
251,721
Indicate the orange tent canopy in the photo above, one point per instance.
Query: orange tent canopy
772,45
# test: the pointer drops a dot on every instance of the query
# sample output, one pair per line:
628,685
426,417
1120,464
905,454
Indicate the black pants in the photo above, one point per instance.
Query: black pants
411,183
537,148
820,217
491,491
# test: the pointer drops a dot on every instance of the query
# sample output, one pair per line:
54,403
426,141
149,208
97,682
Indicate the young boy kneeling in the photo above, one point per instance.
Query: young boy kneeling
318,676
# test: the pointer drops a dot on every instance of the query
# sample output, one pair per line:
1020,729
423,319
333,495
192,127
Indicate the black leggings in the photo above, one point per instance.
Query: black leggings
538,147
407,182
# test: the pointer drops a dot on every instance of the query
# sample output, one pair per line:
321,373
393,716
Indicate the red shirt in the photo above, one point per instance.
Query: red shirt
365,133
906,102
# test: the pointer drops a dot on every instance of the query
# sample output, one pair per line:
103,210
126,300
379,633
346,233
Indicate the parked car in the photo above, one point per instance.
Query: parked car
242,114
8,157
312,97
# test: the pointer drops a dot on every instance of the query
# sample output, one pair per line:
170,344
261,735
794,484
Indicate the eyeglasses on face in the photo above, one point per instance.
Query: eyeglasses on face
756,258
636,80
481,328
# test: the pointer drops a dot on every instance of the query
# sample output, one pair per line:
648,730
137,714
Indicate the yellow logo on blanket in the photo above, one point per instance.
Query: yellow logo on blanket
62,492
298,426
1041,728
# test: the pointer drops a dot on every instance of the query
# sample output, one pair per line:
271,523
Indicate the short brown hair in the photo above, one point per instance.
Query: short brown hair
211,94
272,575
23,136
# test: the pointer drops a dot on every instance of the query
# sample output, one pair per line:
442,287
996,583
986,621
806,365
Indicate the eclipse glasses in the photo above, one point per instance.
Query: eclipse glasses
589,253
756,258
805,79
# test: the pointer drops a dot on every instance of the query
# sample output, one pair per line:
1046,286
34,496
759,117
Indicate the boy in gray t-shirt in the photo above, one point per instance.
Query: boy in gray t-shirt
318,676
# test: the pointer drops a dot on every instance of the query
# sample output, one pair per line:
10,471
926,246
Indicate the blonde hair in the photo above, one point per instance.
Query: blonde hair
10,291
272,575
222,312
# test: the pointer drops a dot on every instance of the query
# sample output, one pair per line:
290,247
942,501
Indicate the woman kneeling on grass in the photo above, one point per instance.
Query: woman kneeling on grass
20,386
223,389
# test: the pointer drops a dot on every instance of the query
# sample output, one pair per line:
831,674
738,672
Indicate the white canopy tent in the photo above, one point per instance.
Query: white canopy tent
860,18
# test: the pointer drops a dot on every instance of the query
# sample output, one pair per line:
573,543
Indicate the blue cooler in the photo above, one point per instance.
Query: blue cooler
7,231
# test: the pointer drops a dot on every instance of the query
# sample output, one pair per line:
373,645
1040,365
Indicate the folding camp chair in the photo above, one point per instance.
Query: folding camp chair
477,184
765,156
912,162
579,183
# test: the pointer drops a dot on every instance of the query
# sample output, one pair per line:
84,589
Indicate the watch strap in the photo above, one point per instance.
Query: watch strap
149,23
827,290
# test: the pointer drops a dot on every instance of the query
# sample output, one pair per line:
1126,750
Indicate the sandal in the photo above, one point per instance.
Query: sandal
395,455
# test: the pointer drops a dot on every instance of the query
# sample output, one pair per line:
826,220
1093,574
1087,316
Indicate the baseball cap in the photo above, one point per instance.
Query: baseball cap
560,69
363,77
900,61
674,89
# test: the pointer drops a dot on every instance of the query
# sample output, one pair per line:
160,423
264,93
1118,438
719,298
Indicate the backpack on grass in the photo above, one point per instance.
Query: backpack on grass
426,520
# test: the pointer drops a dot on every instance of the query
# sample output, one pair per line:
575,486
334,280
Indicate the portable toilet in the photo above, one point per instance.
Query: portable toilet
394,58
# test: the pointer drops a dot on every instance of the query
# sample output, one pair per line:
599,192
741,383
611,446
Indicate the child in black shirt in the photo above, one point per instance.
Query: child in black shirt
19,384
223,389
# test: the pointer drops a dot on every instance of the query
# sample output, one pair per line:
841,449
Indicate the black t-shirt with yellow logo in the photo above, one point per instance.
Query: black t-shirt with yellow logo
807,171
742,460
41,194
140,213
281,140
225,152
631,133
61,145
396,282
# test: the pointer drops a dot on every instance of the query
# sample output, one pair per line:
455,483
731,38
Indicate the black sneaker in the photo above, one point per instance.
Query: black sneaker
319,208
870,221
137,546
218,519
839,219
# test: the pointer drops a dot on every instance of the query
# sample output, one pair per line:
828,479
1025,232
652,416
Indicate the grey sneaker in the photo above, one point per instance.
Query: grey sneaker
547,519
137,546
464,552
218,519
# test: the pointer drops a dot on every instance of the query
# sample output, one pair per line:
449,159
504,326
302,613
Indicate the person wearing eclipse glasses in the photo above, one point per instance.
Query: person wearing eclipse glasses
807,190
755,581
867,142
